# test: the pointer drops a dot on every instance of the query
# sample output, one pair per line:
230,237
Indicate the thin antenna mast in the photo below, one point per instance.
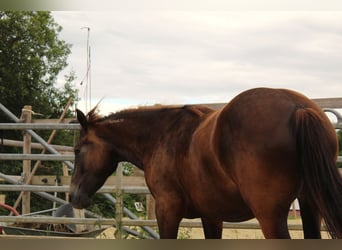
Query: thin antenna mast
88,75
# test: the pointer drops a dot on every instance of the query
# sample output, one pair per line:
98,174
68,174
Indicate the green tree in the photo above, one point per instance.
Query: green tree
31,57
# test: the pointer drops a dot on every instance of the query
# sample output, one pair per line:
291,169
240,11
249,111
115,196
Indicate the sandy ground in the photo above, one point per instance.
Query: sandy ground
197,233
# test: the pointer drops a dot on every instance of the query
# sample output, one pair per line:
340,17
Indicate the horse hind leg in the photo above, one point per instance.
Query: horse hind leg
212,229
311,220
274,227
270,205
272,212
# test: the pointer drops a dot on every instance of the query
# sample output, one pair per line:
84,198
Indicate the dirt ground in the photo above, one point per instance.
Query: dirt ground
197,233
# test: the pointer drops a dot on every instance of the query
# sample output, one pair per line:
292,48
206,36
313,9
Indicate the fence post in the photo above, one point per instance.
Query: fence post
26,117
150,207
2,198
65,173
35,167
119,202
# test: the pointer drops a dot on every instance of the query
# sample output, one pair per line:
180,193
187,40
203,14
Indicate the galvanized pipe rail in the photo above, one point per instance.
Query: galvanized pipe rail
70,166
134,222
63,189
42,194
35,135
127,223
57,220
34,145
42,157
40,126
76,126
51,157
60,201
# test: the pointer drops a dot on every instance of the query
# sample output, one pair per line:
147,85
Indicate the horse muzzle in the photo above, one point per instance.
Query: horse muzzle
79,200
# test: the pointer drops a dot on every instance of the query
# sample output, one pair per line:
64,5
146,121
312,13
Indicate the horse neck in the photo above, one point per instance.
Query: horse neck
134,139
138,134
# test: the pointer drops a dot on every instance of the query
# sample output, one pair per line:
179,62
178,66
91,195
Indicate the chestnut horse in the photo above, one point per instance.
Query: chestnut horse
250,159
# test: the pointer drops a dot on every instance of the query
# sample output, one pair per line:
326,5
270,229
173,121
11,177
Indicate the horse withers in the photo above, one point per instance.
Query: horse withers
250,159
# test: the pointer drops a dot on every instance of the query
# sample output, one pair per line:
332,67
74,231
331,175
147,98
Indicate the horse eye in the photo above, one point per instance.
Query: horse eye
77,151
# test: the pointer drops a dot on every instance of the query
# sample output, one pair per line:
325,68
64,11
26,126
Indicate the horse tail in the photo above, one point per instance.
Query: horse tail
317,148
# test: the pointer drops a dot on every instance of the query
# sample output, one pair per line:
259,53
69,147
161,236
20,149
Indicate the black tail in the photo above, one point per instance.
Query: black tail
317,151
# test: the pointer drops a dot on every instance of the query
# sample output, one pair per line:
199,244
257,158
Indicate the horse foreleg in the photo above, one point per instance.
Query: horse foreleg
212,229
168,217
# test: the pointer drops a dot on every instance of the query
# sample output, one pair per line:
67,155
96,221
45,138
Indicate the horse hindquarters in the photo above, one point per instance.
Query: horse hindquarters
316,151
259,155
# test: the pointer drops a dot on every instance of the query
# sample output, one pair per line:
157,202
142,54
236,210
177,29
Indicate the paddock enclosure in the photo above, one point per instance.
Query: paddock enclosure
125,221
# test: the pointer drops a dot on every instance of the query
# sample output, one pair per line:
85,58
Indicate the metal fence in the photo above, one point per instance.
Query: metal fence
119,221
42,190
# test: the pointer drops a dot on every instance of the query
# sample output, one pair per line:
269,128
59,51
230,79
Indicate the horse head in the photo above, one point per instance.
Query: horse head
95,160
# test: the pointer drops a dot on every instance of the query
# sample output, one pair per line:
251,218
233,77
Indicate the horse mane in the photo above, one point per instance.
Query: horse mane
93,115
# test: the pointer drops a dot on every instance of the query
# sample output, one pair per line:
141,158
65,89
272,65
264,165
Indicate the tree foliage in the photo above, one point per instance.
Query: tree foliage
31,57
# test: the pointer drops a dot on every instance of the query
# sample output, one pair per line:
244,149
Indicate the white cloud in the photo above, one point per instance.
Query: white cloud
149,57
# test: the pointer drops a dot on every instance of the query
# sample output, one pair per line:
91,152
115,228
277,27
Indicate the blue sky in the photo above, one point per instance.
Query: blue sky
142,57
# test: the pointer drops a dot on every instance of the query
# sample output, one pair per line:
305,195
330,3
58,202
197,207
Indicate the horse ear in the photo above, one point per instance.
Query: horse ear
81,119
